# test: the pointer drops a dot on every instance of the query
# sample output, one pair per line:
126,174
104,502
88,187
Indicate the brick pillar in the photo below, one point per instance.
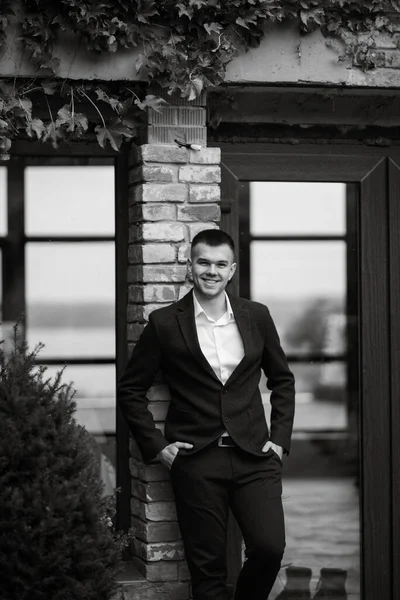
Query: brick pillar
174,193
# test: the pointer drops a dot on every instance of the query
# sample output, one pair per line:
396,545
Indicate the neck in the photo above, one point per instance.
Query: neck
214,307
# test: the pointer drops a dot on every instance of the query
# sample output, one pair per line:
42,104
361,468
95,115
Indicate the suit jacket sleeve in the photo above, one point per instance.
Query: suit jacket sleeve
280,381
132,388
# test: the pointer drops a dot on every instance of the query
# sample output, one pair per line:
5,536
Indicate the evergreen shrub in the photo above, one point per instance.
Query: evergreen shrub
57,536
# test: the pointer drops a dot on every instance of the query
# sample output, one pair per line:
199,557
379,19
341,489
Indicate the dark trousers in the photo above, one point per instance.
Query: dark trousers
206,484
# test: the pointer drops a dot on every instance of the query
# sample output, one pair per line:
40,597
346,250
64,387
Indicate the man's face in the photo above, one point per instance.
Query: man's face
212,268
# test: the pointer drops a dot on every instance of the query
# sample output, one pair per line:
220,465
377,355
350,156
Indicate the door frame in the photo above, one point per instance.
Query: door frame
379,223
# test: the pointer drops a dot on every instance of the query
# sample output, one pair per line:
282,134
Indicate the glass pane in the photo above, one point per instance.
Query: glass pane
71,298
70,200
321,396
95,398
297,208
304,286
3,200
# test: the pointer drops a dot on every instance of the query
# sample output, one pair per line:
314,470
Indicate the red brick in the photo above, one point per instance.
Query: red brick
164,153
134,331
200,174
157,491
156,551
159,192
183,253
156,173
155,274
155,532
134,313
204,193
151,212
205,156
163,232
199,212
153,511
151,253
135,293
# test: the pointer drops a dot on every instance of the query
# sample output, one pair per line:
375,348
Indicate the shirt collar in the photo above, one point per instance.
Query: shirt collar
198,309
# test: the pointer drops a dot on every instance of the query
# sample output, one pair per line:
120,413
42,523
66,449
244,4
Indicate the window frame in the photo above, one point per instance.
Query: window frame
14,275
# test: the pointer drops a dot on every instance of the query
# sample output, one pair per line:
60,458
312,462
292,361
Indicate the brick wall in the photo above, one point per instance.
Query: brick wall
173,193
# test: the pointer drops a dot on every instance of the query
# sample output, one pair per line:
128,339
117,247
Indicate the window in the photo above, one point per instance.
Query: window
59,271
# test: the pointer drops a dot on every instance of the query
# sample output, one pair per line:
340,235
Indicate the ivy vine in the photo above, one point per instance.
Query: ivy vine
183,45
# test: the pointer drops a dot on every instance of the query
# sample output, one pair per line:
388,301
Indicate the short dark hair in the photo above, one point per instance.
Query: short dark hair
213,237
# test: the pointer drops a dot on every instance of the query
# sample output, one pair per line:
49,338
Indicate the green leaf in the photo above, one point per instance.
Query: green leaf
71,120
194,88
113,102
185,11
151,101
35,127
210,27
53,134
114,134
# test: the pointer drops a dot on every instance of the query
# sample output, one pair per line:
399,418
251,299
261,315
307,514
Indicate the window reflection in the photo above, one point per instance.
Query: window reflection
69,200
70,298
3,200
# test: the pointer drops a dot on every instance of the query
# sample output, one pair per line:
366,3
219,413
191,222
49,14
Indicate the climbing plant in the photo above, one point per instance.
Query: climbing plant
181,45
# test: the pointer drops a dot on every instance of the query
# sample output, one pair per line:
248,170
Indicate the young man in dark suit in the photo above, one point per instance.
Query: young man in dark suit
211,347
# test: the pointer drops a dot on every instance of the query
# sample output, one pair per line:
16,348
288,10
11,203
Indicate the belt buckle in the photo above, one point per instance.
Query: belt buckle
222,445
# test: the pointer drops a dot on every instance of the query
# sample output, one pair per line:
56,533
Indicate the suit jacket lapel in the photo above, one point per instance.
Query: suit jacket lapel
187,324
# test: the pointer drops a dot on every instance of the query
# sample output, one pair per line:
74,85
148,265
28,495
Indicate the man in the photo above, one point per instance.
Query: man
211,347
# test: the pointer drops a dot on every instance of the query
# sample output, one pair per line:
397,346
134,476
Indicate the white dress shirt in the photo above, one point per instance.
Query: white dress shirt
220,341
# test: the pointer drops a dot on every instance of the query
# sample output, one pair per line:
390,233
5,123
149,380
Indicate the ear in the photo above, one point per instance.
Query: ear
232,271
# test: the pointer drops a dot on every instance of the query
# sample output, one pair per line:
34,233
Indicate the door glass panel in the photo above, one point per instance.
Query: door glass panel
304,285
70,298
321,396
95,410
69,200
285,208
3,200
310,287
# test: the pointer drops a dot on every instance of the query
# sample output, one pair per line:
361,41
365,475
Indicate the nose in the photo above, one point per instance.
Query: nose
212,270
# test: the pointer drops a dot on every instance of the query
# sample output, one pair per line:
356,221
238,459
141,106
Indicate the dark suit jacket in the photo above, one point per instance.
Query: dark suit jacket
201,407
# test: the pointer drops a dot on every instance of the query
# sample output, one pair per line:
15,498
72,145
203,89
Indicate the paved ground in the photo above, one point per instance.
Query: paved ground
322,529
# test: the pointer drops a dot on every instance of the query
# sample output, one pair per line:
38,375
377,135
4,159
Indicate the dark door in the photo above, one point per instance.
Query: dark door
317,244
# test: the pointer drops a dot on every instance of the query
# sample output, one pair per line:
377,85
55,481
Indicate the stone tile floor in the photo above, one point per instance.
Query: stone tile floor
322,529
